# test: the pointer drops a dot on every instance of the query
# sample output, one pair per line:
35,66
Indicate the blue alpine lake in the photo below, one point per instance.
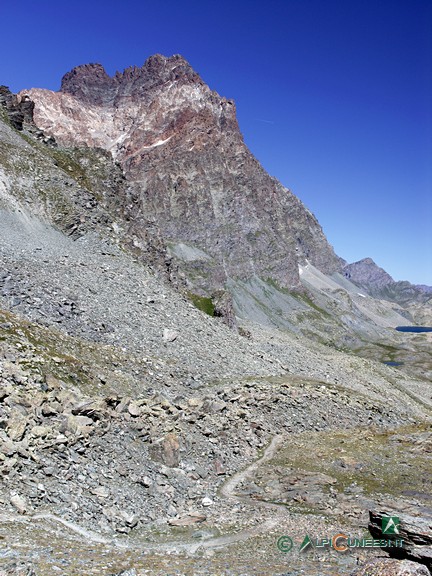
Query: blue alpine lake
414,328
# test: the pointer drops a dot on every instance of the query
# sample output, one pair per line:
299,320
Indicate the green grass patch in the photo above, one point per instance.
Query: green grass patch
202,303
381,462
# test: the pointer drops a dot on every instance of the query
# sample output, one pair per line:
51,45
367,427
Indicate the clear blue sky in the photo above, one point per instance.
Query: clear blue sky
334,97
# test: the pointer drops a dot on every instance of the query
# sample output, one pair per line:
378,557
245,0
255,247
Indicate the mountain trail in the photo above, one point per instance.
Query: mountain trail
190,546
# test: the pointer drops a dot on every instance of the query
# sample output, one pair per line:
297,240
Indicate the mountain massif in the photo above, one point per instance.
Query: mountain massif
190,176
188,372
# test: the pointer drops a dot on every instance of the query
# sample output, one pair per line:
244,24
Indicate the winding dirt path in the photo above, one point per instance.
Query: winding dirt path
228,489
227,492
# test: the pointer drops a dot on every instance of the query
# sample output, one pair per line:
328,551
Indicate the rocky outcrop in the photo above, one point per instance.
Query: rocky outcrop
19,110
416,532
424,288
192,180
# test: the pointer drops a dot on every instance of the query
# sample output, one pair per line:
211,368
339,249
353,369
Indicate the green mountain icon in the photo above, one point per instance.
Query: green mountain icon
306,543
390,525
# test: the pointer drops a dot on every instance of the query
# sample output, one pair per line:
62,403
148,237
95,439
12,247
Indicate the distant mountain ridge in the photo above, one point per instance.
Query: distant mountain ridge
378,283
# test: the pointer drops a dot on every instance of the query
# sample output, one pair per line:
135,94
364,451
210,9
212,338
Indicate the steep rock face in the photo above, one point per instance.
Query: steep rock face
192,180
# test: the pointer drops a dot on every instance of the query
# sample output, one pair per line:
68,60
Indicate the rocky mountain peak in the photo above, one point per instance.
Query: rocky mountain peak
367,272
367,261
91,83
83,73
191,177
169,68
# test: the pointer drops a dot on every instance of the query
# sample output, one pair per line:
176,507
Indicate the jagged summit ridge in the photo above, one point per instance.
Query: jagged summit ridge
139,104
91,82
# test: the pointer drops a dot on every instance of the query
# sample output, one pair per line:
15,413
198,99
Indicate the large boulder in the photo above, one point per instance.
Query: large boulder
416,533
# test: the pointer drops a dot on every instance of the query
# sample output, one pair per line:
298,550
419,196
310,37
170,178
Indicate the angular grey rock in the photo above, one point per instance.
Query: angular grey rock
169,335
19,504
188,519
146,481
